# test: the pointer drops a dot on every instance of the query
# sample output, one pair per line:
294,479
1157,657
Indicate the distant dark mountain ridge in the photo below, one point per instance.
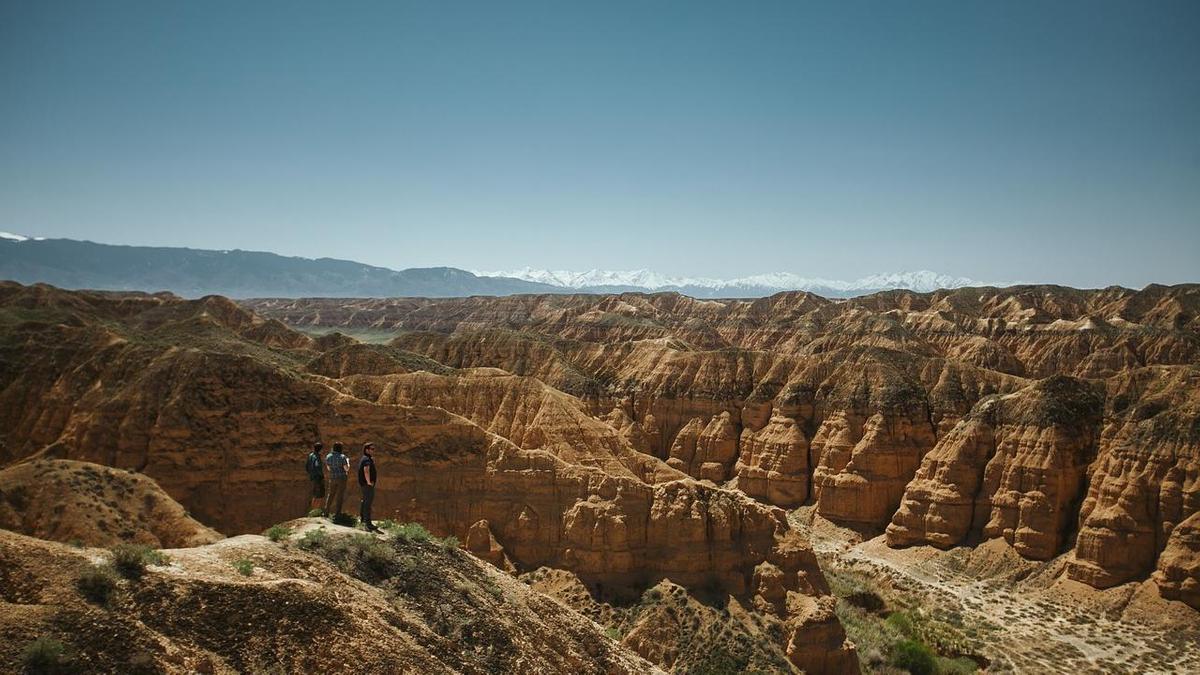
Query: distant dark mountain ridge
68,263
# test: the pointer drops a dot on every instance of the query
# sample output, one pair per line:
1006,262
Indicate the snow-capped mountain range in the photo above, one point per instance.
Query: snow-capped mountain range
70,263
760,284
18,237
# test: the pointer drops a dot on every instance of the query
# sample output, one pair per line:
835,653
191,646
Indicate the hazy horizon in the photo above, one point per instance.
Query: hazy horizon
1055,143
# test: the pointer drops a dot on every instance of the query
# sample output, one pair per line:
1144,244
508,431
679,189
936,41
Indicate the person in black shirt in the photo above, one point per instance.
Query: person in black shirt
367,477
316,476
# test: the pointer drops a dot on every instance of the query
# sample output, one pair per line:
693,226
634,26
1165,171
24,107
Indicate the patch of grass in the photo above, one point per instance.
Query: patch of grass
416,532
278,533
410,532
720,662
244,566
314,540
613,633
97,583
861,609
959,666
47,655
359,554
361,549
75,543
914,656
131,559
901,623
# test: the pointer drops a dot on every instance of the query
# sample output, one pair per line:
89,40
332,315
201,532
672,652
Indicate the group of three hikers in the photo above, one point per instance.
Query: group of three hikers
337,466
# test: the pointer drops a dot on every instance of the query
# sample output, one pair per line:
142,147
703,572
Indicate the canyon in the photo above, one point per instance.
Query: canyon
1061,420
610,448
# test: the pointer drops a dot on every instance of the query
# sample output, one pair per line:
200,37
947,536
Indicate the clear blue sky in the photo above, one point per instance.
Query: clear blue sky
1034,141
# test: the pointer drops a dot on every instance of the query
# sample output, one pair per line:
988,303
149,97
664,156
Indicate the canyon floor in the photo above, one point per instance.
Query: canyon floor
998,612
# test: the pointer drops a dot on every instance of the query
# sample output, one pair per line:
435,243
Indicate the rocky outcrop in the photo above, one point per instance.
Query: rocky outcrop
522,410
94,505
1014,468
426,608
772,463
705,451
1178,572
1146,477
864,464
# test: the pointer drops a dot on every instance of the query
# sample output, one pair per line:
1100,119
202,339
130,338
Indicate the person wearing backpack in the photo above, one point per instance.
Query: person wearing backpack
339,470
316,476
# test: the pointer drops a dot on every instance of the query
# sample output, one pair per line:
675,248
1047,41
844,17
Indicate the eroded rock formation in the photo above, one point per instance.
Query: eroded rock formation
1178,573
1014,468
889,392
219,407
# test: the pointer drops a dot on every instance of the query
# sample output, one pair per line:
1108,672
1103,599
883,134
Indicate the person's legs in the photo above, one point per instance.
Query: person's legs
317,496
364,510
339,489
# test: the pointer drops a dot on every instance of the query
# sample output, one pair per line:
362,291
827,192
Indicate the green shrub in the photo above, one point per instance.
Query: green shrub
131,559
411,532
315,513
613,633
46,655
97,583
76,543
314,539
913,656
901,623
449,542
278,532
244,566
374,554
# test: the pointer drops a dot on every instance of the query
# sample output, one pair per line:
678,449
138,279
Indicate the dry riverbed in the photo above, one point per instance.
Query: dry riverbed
985,607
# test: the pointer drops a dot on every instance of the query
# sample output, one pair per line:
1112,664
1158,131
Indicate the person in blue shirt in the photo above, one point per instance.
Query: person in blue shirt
338,465
367,477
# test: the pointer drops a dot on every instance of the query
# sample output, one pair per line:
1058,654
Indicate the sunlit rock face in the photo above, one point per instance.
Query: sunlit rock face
1014,468
890,393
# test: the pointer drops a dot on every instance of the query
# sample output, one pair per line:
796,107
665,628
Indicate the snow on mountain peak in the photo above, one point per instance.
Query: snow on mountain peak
921,281
18,237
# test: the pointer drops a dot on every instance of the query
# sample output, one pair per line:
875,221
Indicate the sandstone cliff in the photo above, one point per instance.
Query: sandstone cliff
1014,469
884,400
219,407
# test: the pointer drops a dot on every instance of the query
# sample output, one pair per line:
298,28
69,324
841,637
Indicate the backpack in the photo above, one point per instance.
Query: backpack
313,466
